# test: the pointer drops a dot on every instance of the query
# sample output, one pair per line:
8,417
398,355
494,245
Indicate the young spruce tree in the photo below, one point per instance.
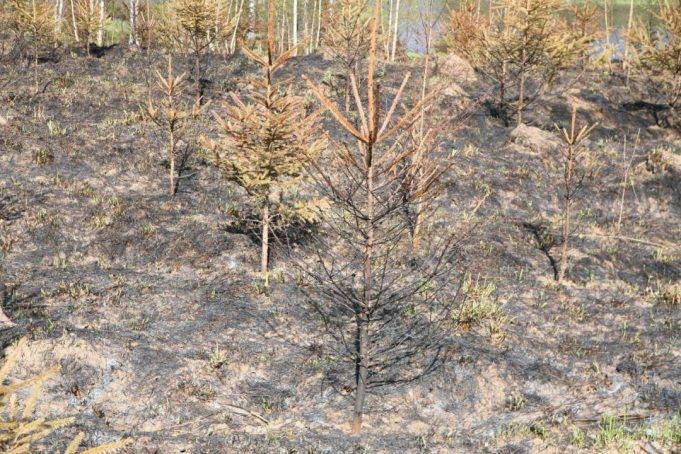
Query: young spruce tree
522,49
89,21
346,39
33,21
268,142
575,171
194,26
379,296
659,56
171,114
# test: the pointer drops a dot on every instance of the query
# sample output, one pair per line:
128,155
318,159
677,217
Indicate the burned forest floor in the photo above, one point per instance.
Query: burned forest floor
154,308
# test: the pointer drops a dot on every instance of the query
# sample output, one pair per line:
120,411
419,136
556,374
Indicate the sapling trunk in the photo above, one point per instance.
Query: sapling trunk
171,158
362,374
364,309
419,206
521,98
265,238
197,71
567,203
35,66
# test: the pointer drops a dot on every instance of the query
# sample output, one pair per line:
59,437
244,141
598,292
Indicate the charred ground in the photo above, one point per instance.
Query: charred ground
153,308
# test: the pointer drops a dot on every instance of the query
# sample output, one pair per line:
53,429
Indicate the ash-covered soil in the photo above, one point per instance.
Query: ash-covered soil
153,307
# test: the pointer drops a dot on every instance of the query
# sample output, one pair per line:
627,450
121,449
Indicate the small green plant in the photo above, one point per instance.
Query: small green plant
478,305
41,156
612,432
577,437
539,429
515,402
670,295
217,358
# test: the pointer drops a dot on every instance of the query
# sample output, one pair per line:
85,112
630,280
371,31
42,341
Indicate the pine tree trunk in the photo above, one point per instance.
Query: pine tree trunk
264,258
35,66
171,157
562,269
521,99
197,71
364,310
362,374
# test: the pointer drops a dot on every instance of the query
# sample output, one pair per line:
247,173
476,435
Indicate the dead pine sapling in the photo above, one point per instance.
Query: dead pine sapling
171,115
364,275
267,142
574,174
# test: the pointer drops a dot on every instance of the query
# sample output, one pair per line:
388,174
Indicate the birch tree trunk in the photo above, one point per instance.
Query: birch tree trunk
100,31
294,23
59,14
319,23
390,23
305,24
396,21
134,11
73,21
232,44
251,17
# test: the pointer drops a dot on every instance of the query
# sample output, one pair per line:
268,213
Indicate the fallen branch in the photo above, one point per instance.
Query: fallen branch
629,239
242,411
